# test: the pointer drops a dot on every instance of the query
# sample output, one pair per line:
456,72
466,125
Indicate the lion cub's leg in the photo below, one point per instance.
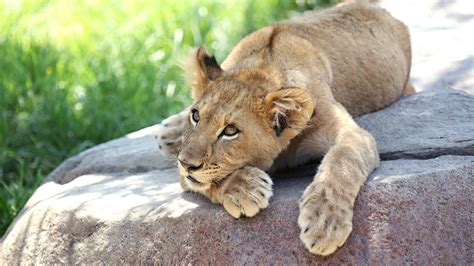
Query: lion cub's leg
244,193
408,90
326,207
170,131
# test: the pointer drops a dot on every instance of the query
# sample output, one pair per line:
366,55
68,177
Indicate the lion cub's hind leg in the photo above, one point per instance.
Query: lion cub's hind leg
170,133
409,89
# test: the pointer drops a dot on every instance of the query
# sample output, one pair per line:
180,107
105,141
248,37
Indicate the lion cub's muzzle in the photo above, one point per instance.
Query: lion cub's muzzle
187,167
190,166
201,175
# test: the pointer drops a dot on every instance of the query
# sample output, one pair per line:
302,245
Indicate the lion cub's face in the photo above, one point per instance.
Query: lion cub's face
235,122
225,132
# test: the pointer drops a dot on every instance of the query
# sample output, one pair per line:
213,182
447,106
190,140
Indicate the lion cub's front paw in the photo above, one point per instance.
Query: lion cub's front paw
169,135
325,219
247,192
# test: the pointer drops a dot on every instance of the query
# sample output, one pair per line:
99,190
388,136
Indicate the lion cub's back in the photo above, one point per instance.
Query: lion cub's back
369,52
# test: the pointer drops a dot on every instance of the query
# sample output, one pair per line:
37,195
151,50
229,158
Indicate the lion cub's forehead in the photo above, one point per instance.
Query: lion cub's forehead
226,106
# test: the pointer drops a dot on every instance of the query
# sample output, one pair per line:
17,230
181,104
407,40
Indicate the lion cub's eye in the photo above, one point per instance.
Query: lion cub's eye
230,132
194,117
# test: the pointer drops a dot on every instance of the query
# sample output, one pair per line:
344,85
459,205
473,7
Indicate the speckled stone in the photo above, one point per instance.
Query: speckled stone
120,202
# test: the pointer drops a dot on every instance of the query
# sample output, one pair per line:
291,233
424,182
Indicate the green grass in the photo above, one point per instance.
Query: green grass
74,74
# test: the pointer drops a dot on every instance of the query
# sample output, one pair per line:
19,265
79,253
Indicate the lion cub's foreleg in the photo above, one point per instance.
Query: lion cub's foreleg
327,204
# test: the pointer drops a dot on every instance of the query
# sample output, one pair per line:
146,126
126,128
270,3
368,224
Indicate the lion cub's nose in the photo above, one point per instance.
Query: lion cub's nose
189,166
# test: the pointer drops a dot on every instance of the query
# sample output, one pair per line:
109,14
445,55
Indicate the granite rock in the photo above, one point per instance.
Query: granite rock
120,202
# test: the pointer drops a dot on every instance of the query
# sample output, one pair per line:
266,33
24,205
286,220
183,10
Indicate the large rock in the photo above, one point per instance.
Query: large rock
120,202
424,126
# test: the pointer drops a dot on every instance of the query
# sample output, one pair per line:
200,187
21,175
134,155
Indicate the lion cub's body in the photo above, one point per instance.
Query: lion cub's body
361,51
288,93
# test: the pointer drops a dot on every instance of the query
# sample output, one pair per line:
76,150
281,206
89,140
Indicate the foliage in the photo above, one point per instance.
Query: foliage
77,73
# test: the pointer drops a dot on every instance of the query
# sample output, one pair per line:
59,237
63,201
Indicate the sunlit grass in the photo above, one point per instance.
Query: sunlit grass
77,73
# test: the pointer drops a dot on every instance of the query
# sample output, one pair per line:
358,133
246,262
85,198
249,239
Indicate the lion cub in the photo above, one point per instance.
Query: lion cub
284,96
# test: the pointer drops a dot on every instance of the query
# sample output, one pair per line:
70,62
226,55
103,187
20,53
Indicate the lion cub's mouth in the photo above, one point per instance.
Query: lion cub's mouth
196,181
192,179
216,181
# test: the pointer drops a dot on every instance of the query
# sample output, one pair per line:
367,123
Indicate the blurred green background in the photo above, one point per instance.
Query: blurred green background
74,74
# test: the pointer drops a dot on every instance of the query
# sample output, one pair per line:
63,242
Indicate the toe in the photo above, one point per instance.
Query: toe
250,207
232,206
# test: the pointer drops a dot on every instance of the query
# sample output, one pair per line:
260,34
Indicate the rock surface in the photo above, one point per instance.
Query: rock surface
424,125
120,202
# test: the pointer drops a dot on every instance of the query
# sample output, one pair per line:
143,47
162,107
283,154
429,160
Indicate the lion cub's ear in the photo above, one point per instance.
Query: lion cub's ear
201,68
290,110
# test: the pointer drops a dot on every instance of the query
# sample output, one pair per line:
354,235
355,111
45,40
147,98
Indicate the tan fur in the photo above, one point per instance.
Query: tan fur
409,89
292,89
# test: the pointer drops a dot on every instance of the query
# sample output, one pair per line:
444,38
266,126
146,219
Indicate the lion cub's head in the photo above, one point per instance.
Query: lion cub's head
238,118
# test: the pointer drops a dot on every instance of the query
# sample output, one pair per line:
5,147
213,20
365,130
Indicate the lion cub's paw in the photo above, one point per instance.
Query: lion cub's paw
170,133
325,219
248,192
